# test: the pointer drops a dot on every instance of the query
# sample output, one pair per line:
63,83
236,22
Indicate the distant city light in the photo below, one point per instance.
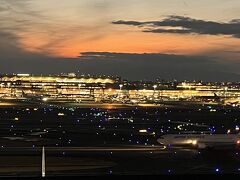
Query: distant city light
142,130
194,142
45,99
26,75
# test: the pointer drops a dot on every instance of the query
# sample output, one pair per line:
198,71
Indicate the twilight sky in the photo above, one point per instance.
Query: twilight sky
136,39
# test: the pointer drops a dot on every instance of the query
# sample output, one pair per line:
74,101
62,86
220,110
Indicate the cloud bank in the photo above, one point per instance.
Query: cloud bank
186,25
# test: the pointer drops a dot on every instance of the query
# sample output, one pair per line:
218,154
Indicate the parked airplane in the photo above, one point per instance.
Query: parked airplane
35,97
201,141
214,98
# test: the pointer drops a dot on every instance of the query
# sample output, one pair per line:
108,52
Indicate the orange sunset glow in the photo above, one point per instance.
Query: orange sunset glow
131,42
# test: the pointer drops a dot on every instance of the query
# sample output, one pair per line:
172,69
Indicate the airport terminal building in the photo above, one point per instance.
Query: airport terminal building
72,87
60,86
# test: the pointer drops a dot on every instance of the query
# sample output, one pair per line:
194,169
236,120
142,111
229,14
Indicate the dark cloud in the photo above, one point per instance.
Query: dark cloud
180,31
131,23
183,25
167,66
13,59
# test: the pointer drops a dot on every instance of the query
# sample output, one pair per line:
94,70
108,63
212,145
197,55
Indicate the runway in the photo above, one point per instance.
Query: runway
90,149
23,161
122,160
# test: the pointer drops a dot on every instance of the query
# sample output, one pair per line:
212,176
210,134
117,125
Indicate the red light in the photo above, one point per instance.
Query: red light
238,142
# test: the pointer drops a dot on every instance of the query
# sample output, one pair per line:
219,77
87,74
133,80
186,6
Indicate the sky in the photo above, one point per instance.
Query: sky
135,39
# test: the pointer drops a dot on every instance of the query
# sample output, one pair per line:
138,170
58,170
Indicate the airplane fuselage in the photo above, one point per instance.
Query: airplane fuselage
200,141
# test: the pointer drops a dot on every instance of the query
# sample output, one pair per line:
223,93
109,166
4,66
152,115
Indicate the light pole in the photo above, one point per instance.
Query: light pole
120,86
225,91
155,87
